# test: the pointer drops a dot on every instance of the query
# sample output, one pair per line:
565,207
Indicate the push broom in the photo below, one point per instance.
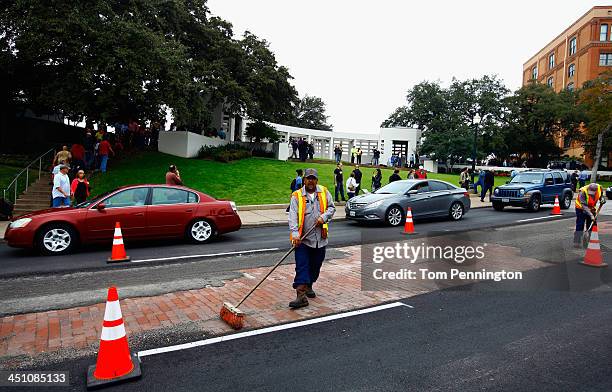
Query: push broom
234,316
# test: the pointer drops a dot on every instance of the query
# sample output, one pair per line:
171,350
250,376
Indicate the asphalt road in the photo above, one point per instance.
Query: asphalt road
62,284
20,262
513,336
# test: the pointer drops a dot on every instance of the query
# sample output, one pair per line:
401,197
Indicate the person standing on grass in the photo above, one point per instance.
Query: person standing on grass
359,153
338,152
61,188
358,176
312,205
339,182
80,188
104,148
376,180
353,154
395,176
173,176
351,186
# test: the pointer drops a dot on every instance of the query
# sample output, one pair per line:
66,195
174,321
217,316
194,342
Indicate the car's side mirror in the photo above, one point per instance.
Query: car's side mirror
101,206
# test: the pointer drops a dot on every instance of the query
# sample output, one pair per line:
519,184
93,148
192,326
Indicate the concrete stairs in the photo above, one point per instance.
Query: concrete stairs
37,197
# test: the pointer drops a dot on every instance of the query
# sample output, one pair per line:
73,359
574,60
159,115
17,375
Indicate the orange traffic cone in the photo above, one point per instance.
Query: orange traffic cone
409,225
115,363
556,208
593,256
118,253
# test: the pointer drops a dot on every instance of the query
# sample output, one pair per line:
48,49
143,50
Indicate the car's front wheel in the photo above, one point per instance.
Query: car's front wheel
394,216
456,211
200,231
56,239
534,204
567,201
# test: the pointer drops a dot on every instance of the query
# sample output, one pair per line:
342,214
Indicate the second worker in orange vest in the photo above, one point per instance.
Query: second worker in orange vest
310,205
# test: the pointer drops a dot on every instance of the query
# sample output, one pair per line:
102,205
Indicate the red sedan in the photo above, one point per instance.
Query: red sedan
144,211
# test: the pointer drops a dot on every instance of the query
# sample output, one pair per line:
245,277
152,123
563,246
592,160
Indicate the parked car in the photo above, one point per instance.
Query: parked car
144,212
426,198
532,188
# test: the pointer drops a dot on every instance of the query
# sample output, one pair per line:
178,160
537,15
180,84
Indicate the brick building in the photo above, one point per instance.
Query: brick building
580,53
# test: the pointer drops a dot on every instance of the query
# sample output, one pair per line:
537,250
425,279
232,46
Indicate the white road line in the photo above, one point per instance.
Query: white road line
538,218
208,255
262,331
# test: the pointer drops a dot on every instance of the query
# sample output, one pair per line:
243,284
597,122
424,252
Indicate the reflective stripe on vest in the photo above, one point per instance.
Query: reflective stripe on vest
591,201
301,199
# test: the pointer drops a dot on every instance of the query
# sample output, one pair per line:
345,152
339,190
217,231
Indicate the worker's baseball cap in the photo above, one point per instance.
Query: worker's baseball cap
593,188
311,173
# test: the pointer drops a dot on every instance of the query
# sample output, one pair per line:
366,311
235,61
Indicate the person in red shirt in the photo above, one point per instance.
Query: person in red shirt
104,148
79,189
78,155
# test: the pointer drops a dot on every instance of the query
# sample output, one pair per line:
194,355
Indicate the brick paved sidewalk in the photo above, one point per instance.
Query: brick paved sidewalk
339,289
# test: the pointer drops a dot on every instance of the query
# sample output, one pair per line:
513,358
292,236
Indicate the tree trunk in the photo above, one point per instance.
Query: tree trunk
600,138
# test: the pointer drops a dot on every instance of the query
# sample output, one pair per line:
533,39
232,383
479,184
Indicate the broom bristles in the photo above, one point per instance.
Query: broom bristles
233,316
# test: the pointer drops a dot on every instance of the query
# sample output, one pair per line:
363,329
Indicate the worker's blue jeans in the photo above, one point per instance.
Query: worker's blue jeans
582,218
308,263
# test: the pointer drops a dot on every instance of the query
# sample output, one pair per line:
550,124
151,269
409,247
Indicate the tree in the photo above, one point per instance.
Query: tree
455,120
537,117
310,113
595,98
259,130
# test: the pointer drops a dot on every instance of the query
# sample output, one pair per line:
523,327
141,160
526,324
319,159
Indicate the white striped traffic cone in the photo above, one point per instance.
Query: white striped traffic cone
118,252
114,363
593,256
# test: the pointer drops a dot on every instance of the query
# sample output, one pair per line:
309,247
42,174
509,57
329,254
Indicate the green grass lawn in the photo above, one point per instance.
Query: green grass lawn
8,173
249,181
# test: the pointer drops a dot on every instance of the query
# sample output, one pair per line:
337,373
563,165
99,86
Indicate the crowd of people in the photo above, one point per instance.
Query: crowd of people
301,149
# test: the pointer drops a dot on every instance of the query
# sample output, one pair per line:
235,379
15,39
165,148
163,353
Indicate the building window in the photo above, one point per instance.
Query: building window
549,82
572,46
571,70
603,32
534,72
605,59
570,86
551,61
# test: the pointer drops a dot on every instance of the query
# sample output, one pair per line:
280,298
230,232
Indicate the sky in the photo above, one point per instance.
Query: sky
361,57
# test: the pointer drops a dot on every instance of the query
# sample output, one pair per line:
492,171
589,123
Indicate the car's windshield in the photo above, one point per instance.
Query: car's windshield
87,203
530,178
395,187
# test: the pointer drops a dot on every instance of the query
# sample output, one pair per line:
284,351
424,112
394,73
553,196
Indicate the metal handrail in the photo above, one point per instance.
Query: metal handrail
15,181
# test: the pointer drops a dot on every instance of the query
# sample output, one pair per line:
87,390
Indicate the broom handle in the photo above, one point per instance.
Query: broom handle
594,220
274,267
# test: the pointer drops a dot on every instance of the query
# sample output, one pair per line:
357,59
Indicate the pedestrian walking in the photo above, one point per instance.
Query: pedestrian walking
375,156
351,186
395,176
78,156
353,154
338,182
104,148
62,156
480,181
376,180
311,151
586,201
79,189
310,205
359,153
173,176
574,180
488,181
583,177
61,188
294,147
358,176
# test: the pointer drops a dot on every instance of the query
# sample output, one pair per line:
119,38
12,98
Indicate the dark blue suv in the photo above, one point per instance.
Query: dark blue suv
532,188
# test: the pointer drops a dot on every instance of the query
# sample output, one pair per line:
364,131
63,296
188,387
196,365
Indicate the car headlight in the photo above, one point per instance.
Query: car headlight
521,192
20,223
234,207
496,191
375,204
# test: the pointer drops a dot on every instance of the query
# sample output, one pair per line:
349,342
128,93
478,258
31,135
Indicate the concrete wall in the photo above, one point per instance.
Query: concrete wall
185,144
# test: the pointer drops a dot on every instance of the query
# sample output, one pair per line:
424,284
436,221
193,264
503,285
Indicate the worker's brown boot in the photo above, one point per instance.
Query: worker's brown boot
310,292
301,300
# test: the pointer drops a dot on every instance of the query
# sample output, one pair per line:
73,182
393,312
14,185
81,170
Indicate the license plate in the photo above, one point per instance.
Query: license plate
352,213
505,200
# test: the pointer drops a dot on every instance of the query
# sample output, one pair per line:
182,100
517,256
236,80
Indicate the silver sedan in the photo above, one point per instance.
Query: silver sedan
426,198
